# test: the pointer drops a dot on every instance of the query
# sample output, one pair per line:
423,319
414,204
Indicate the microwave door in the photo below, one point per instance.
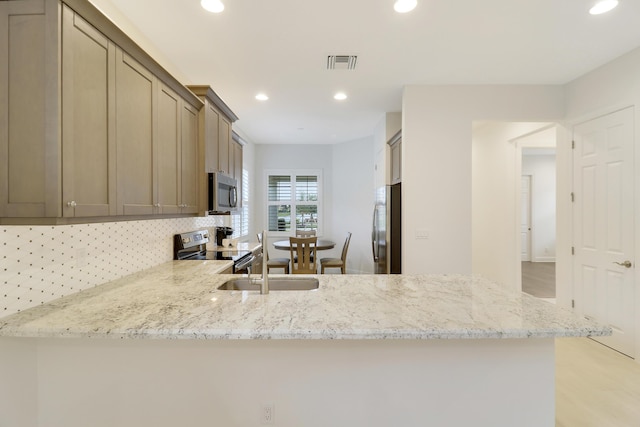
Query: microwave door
233,197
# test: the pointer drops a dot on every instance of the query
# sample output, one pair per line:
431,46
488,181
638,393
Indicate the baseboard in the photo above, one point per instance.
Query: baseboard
544,259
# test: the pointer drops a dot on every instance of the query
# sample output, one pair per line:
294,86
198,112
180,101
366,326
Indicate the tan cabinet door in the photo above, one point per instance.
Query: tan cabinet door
189,159
224,141
28,140
396,162
168,151
88,96
211,136
135,124
177,154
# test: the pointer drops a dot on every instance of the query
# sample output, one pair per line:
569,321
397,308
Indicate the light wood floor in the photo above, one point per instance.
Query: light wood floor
539,279
595,386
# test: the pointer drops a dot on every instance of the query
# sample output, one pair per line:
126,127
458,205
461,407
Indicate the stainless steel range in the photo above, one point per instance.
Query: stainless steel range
193,246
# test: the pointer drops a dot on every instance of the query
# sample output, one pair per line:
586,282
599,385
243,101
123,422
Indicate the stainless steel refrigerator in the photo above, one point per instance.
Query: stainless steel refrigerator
386,233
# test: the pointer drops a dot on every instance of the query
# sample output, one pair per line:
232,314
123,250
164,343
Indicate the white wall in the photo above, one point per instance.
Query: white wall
311,383
437,158
348,192
291,156
495,200
542,168
353,197
19,384
388,125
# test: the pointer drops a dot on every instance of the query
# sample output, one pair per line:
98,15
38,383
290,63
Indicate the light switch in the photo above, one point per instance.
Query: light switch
422,234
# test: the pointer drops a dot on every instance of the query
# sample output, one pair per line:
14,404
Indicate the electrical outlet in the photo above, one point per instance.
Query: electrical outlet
268,415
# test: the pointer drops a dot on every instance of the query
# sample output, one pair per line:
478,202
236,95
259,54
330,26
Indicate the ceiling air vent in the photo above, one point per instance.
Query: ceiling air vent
342,62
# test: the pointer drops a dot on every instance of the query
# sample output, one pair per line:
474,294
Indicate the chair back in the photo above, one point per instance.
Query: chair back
305,233
304,250
345,248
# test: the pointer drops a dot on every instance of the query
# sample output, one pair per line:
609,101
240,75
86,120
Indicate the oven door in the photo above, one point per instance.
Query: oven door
243,265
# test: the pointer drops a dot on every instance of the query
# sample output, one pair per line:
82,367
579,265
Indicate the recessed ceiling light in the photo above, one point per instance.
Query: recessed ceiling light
603,6
404,6
340,96
213,6
262,97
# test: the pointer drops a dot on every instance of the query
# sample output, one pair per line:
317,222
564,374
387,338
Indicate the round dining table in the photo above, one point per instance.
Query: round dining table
321,245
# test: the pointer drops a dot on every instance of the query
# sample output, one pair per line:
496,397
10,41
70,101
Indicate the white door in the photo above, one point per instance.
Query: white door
603,231
525,226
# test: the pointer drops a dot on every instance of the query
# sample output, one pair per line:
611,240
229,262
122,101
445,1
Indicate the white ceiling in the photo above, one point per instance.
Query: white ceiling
281,47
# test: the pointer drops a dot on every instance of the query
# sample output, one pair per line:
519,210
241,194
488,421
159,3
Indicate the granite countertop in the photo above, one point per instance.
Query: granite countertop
179,300
239,246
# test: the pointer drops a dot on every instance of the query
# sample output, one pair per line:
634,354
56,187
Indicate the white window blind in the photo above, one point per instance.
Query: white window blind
294,200
240,221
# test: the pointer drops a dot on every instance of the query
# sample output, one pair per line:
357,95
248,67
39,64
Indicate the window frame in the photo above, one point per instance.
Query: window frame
293,173
240,219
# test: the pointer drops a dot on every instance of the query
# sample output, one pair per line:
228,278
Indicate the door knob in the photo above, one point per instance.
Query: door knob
626,264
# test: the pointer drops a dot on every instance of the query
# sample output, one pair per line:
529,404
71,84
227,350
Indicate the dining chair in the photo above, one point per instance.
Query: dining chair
305,233
303,255
275,262
341,262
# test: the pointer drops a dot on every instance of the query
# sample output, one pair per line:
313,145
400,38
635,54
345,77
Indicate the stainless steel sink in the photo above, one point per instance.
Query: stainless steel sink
275,284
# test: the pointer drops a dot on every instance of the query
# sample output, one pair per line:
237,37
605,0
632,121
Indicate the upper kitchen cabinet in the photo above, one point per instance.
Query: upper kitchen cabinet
29,110
190,174
395,147
88,102
89,121
215,136
135,101
177,154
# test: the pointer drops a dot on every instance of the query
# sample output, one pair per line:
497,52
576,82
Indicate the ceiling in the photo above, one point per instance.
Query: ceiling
280,47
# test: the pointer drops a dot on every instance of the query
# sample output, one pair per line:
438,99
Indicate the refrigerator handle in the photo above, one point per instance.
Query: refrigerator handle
374,235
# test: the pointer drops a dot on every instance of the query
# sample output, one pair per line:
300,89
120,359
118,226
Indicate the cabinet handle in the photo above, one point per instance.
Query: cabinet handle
72,204
157,205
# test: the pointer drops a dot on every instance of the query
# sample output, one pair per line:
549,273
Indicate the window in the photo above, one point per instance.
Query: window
294,200
240,220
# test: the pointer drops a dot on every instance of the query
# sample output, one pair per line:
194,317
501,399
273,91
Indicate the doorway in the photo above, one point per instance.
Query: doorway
497,151
538,214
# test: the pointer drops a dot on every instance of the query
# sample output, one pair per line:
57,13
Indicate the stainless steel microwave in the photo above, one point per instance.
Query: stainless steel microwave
222,193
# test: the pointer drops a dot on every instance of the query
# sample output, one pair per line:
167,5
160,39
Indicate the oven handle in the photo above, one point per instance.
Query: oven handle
244,264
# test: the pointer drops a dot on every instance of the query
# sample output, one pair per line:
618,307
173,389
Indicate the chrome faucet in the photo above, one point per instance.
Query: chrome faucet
264,284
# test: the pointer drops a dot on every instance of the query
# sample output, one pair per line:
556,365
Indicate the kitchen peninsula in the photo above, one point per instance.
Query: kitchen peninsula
164,347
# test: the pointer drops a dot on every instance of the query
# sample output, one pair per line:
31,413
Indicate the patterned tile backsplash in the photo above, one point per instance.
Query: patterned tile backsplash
41,263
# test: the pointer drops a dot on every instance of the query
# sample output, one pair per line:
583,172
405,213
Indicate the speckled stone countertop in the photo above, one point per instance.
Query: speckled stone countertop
240,246
179,300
